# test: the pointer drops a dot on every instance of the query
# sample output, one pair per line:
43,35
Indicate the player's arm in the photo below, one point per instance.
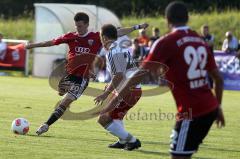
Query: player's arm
212,70
122,89
217,78
117,79
96,66
128,30
40,44
238,54
137,78
211,41
118,76
59,40
218,84
220,120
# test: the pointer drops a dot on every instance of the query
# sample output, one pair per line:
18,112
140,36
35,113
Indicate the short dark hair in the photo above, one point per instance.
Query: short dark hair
110,31
176,13
205,26
80,16
156,29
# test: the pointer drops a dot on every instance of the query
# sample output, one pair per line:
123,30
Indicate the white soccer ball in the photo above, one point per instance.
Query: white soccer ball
20,126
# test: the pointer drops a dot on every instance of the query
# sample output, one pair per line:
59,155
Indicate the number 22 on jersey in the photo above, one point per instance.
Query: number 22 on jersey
197,60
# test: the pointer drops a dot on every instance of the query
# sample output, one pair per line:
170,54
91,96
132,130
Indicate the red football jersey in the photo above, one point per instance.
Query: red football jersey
89,43
188,58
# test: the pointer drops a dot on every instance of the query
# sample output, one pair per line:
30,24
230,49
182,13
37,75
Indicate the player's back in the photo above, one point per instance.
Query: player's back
188,59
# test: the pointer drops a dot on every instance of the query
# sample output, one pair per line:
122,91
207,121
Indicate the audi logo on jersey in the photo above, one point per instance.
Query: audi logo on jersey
82,50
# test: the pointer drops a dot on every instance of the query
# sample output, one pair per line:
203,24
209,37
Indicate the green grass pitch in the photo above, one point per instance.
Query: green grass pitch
34,100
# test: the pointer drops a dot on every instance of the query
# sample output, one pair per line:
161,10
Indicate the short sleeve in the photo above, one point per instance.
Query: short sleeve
211,64
62,39
158,53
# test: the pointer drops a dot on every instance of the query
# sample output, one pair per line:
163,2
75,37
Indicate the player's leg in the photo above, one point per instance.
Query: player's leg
113,123
131,101
189,134
116,129
57,113
74,91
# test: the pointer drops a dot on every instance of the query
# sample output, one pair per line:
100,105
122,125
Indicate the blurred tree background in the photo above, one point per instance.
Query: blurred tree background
220,15
17,16
141,8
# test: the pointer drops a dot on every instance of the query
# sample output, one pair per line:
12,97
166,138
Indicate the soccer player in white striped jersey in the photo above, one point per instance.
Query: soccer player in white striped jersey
120,64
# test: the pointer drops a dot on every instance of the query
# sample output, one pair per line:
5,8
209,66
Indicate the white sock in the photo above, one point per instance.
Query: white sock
117,129
132,140
119,122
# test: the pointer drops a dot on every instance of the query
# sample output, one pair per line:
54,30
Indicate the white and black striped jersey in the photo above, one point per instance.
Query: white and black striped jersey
119,59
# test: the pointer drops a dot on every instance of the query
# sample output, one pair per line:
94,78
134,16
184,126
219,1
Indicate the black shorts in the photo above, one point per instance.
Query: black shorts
189,134
73,85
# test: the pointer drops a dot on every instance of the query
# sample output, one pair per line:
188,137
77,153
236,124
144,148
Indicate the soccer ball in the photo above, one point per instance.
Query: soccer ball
20,126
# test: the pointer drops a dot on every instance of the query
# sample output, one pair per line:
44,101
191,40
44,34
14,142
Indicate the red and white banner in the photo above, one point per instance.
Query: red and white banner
15,57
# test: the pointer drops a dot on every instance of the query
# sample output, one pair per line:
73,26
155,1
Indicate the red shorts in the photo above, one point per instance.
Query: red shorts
130,100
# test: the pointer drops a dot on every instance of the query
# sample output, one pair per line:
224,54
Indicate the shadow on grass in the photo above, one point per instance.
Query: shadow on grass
152,152
207,146
155,143
202,157
157,153
35,135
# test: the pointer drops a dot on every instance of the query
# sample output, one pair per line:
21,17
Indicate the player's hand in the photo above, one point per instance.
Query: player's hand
105,88
111,105
143,26
28,46
238,55
99,99
220,121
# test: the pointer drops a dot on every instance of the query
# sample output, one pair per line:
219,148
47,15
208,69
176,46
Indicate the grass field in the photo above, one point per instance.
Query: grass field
33,99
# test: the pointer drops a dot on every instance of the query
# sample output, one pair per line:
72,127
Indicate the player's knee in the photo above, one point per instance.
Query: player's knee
104,120
67,100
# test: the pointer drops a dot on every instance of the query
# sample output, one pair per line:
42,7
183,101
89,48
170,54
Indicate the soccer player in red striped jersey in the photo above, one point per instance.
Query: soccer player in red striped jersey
189,60
75,82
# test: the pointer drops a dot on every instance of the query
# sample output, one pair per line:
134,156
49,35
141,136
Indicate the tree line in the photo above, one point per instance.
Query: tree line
14,9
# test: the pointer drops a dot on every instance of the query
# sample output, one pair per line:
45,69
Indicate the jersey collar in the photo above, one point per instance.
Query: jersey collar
84,35
114,43
180,28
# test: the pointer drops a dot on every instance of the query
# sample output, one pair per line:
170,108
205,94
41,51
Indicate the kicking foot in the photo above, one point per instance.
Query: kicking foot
117,145
131,146
42,129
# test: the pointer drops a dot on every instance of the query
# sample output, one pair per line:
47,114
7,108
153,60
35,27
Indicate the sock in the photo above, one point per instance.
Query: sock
120,122
132,139
58,112
117,129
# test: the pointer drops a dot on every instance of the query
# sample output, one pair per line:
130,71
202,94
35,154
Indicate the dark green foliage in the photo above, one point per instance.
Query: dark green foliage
13,8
